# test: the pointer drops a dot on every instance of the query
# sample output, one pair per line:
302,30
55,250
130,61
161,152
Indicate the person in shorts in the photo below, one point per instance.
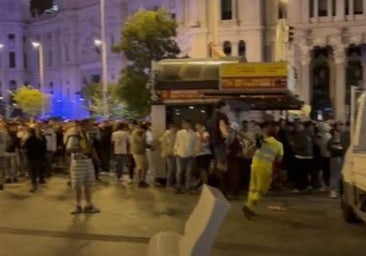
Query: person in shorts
82,173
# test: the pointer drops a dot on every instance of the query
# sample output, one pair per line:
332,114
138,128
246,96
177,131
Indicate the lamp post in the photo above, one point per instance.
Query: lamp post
2,98
39,46
103,44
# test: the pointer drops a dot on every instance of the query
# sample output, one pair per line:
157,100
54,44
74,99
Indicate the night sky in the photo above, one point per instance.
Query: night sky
41,5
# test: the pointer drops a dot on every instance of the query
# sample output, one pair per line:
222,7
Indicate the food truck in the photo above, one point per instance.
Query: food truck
188,88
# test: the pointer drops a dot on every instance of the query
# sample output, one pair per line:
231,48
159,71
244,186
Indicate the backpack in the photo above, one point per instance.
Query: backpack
72,144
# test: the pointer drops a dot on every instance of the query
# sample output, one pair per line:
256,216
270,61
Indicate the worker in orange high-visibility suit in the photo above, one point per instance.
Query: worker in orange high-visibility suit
268,155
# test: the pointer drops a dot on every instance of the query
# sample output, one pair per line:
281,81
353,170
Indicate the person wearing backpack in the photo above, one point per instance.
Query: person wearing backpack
82,174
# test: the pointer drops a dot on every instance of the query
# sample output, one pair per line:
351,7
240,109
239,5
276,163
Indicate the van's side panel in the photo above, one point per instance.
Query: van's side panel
358,171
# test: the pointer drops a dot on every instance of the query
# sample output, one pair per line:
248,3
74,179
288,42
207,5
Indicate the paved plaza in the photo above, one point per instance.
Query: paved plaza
40,224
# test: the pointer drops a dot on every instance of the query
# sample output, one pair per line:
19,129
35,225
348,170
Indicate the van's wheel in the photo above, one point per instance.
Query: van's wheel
347,211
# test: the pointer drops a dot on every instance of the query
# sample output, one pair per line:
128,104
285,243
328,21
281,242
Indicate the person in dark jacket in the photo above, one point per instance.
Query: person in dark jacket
35,147
105,149
304,154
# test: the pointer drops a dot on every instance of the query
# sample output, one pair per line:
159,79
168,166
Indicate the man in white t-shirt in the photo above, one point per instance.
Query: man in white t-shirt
120,142
50,135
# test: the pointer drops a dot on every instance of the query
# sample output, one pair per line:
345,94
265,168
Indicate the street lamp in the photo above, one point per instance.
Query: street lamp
39,46
103,44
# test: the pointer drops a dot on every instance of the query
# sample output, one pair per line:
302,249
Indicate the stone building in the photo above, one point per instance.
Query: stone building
327,47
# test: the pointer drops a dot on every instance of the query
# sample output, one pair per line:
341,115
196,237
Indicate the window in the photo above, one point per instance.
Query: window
323,8
51,87
358,6
227,48
67,56
25,61
12,60
334,7
241,48
13,85
311,8
95,78
346,7
11,37
226,9
50,58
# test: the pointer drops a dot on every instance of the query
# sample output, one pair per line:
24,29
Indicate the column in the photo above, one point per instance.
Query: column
234,6
364,7
340,82
158,121
193,13
340,10
305,86
351,10
304,73
305,7
330,9
316,9
234,48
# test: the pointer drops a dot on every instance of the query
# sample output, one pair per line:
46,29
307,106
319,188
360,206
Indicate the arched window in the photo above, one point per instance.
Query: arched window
13,85
227,48
242,48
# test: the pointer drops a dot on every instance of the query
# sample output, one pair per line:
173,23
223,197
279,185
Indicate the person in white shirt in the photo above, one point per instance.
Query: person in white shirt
204,157
186,147
50,135
120,141
150,150
167,151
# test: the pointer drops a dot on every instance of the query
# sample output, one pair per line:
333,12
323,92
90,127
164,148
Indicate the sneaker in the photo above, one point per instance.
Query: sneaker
1,187
91,209
77,210
248,213
333,195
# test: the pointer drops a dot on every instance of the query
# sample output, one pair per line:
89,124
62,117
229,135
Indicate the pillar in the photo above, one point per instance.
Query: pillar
305,7
340,83
305,86
340,10
158,121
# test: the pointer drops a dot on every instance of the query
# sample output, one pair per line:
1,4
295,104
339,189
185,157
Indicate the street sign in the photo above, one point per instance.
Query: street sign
254,76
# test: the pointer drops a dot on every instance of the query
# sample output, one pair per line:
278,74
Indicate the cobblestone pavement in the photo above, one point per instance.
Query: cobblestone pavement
40,224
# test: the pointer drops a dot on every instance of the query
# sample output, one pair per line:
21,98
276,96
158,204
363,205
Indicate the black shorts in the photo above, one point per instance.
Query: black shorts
203,162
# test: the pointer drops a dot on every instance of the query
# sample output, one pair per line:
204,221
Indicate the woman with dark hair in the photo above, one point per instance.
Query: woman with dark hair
336,159
35,148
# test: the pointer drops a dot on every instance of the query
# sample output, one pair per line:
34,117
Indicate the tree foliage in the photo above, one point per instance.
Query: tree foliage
93,93
31,101
145,37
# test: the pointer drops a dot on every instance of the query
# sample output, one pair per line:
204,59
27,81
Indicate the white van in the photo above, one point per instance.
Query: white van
353,184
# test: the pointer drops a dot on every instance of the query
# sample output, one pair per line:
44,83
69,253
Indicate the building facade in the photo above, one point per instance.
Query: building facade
327,47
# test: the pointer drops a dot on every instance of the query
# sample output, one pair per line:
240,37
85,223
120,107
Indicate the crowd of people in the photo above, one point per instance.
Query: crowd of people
299,156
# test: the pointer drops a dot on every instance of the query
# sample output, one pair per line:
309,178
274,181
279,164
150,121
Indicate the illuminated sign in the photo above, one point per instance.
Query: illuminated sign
253,76
180,94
